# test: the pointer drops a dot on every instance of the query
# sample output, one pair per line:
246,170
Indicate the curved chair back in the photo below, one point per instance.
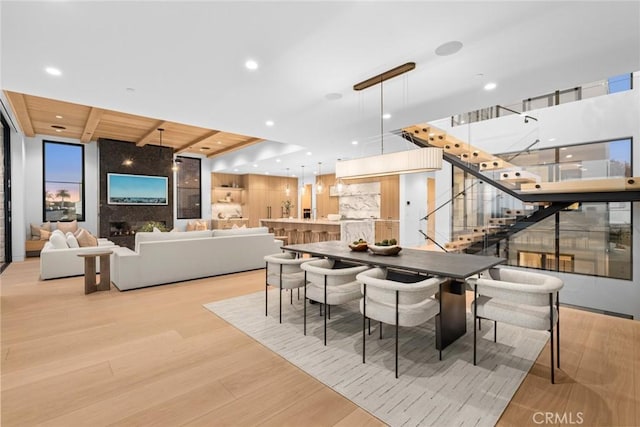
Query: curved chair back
520,287
336,273
412,289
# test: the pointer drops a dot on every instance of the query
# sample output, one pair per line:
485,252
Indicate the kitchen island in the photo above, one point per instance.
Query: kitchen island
345,230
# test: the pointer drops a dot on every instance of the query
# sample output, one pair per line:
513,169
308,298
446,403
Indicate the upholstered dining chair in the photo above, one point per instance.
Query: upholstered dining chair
330,283
283,271
397,299
521,298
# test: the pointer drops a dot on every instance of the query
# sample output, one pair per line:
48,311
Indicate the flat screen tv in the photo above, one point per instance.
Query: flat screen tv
126,189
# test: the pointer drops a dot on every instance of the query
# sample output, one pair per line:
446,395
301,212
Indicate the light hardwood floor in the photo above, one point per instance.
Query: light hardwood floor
155,356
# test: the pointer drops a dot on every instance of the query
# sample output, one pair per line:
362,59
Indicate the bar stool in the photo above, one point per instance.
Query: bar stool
318,236
279,232
333,235
303,236
292,233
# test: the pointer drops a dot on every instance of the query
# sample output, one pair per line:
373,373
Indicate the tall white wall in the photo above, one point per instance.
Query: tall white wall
596,119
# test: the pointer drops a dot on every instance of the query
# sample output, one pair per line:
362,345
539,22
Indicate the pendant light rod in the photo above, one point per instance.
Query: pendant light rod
394,72
381,118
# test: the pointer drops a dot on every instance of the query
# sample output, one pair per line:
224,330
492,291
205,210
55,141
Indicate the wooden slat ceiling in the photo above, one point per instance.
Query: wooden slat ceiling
38,115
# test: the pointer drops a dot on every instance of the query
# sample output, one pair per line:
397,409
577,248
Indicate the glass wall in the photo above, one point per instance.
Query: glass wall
592,238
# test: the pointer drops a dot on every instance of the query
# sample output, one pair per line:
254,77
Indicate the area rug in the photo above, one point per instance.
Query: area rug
429,392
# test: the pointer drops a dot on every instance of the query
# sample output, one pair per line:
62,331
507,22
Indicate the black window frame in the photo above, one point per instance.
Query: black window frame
182,160
44,181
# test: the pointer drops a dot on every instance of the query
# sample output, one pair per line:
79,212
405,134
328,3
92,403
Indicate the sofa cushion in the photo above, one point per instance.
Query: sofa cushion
58,241
86,239
44,234
240,231
67,226
155,237
36,230
72,242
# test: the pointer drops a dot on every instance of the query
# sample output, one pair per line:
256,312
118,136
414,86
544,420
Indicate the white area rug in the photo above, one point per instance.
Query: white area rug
429,392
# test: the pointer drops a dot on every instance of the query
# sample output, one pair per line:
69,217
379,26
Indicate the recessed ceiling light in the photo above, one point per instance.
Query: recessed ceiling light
563,148
255,165
568,156
58,116
315,173
386,116
266,173
278,160
58,130
309,153
53,71
448,48
235,170
490,86
269,123
333,96
462,121
551,139
354,142
251,64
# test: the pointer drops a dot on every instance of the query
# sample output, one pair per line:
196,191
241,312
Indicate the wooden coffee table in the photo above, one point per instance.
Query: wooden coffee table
90,278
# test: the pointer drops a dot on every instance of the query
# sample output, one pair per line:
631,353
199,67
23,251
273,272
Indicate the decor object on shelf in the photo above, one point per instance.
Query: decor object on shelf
334,217
385,250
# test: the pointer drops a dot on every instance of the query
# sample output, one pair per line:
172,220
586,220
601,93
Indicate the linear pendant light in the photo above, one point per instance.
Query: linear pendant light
410,161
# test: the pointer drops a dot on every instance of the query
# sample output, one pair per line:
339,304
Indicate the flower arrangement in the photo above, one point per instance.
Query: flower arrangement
286,208
151,224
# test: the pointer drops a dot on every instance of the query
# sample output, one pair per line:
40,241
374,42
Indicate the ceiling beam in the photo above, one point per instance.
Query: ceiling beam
198,140
91,124
145,139
238,146
19,106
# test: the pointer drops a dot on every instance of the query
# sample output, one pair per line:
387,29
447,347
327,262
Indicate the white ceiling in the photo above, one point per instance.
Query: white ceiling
186,63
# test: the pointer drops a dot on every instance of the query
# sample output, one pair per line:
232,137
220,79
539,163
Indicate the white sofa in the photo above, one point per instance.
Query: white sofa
174,257
65,262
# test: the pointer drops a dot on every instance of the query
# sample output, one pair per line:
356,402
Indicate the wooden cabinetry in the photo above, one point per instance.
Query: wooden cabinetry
226,224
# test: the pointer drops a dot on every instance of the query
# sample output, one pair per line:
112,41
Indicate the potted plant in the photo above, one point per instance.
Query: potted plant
286,208
149,226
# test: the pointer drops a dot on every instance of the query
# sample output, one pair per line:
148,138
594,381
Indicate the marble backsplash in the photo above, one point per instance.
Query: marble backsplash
226,210
360,200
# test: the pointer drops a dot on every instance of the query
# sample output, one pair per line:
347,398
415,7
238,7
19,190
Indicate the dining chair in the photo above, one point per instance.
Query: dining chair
398,299
520,298
330,283
283,271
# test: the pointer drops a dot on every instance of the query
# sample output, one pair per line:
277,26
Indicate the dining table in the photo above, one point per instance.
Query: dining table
451,322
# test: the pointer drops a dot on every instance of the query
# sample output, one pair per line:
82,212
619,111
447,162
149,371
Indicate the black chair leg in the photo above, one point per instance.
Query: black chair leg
291,292
397,320
380,330
305,303
280,305
551,337
325,310
266,289
558,329
369,326
479,324
329,311
475,317
364,319
495,331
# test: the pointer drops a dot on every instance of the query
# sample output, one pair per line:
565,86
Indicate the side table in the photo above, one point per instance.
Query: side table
90,280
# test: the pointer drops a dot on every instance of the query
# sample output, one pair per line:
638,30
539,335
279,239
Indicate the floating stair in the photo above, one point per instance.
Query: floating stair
584,186
495,164
508,220
471,237
519,177
477,156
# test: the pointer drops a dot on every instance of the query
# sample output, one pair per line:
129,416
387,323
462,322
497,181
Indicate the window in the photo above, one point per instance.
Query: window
63,175
189,198
619,83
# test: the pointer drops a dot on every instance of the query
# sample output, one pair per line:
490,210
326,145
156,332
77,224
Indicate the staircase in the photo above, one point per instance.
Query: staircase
517,182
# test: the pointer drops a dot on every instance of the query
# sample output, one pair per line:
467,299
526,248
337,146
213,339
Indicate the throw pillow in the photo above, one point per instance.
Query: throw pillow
201,225
35,230
191,226
244,226
58,241
75,233
72,242
68,226
234,226
86,239
44,234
